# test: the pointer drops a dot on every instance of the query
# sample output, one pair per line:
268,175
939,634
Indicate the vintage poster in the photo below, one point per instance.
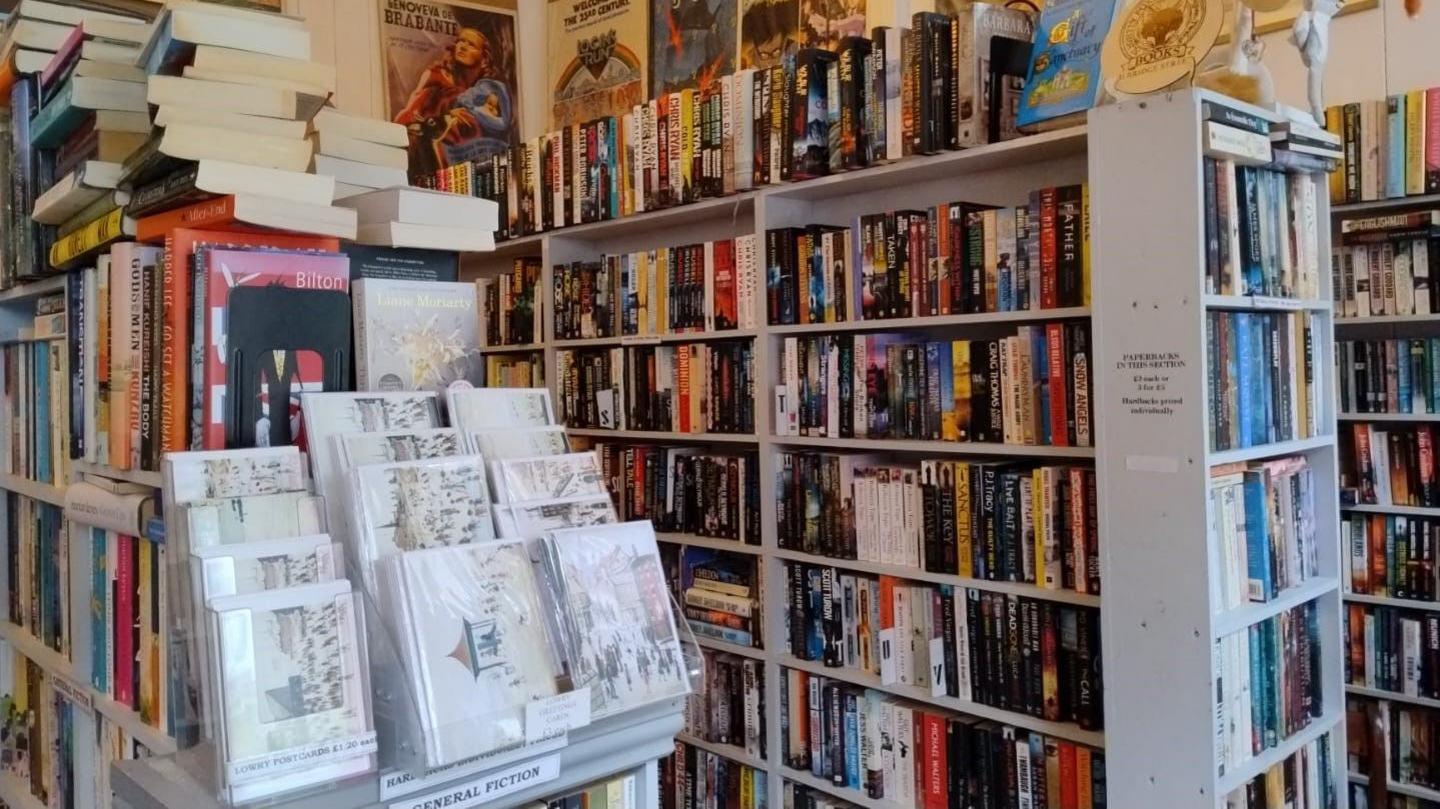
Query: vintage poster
597,59
823,23
769,29
451,78
692,43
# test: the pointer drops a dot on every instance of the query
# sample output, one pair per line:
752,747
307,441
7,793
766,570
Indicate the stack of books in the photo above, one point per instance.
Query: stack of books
721,596
35,30
1388,146
415,217
362,154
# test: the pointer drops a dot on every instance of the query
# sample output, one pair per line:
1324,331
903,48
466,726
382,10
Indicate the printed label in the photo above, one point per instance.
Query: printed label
299,758
396,783
557,715
490,786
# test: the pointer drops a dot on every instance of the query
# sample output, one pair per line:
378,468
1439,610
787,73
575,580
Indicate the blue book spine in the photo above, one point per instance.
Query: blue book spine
816,697
1245,370
943,355
1390,553
612,155
1040,356
937,393
56,120
1257,688
40,434
1395,147
1270,638
852,741
1402,372
1259,383
1005,295
1257,538
99,619
815,633
1432,361
762,794
725,633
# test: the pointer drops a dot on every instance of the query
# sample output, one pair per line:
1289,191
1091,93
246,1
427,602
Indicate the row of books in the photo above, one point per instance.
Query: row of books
1303,780
1393,649
993,521
1263,520
1392,555
955,258
903,91
1394,466
731,708
721,593
1389,146
1389,376
685,490
894,751
37,566
1413,733
1030,656
1265,380
36,442
1261,228
692,778
1268,684
53,741
620,792
1032,388
514,372
127,623
1382,265
683,388
512,306
705,287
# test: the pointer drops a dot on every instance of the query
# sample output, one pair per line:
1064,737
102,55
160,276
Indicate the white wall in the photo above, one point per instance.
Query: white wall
1372,53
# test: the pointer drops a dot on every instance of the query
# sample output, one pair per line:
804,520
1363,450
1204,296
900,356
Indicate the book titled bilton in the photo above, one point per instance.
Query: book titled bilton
479,644
292,693
617,613
413,505
416,335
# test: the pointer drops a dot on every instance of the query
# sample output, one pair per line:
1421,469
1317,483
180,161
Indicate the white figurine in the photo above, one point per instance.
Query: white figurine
1311,35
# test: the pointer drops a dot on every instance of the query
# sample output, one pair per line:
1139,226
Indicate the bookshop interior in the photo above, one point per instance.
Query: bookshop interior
691,404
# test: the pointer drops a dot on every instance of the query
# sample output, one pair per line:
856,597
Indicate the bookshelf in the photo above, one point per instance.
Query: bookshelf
1163,618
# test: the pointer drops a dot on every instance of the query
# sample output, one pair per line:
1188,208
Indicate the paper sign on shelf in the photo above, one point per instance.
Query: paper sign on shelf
557,715
488,787
396,783
299,758
74,693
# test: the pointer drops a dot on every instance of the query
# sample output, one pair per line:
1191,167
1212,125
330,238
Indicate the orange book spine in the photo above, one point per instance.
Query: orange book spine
212,213
174,356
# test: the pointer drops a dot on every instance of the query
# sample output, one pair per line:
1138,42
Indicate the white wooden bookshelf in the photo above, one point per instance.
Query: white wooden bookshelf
1160,619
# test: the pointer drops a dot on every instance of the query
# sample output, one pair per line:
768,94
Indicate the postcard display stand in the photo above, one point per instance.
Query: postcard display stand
410,640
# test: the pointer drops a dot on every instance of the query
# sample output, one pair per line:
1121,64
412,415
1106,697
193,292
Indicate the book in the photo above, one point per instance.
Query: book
1064,78
186,141
536,517
615,614
253,211
91,180
417,205
181,28
476,656
271,102
430,237
330,120
290,675
196,182
361,174
401,263
168,115
415,335
684,490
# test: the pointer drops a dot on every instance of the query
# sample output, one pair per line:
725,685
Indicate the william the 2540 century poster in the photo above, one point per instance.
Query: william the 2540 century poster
450,77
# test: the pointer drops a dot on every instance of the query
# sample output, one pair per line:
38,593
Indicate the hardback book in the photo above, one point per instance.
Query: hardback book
547,477
372,130
192,476
478,646
430,237
198,181
421,206
274,564
219,521
412,505
416,335
251,297
1064,79
327,415
491,408
391,446
290,677
525,442
618,615
401,263
535,518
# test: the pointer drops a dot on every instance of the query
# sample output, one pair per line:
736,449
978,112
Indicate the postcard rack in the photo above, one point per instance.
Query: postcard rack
629,743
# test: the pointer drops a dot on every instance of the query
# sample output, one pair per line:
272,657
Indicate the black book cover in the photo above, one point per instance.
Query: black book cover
975,633
403,263
1087,686
854,136
1007,530
1034,665
929,517
835,732
799,599
1014,655
972,262
896,282
1069,271
760,126
949,542
947,624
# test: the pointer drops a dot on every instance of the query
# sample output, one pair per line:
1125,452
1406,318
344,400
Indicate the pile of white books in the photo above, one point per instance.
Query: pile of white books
362,154
416,217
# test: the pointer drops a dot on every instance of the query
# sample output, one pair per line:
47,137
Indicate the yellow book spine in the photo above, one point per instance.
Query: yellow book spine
104,229
1414,142
964,547
1040,518
687,145
147,639
641,280
1333,123
960,371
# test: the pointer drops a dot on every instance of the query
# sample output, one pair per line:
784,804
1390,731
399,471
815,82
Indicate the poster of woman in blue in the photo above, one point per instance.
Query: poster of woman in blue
450,78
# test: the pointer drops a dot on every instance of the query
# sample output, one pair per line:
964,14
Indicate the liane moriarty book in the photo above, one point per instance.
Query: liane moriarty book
416,335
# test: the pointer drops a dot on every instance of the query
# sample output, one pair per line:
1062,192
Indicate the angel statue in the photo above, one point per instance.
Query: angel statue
1311,35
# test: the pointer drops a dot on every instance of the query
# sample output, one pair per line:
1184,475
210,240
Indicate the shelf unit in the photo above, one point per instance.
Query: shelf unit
1001,174
1158,555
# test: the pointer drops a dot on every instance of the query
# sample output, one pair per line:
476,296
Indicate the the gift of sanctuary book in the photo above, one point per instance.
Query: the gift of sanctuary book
416,335
616,609
476,643
292,701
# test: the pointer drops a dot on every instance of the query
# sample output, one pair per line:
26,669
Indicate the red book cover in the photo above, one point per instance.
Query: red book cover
941,241
935,758
727,310
1049,663
1055,366
124,622
1432,140
291,372
177,275
1049,279
1069,789
1364,472
683,372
